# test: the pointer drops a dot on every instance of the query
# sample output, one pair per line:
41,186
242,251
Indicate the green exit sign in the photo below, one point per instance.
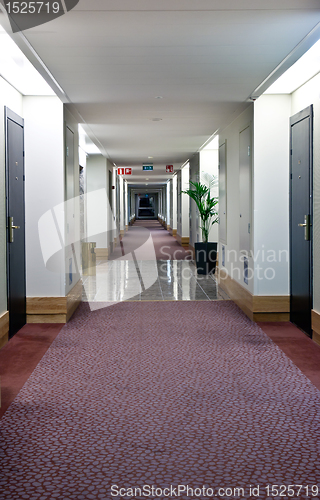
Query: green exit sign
147,167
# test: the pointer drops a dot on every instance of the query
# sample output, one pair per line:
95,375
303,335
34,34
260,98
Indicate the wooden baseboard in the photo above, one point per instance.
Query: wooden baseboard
74,298
315,319
102,253
127,227
183,240
46,305
168,227
271,317
46,318
173,232
4,328
256,307
54,309
122,232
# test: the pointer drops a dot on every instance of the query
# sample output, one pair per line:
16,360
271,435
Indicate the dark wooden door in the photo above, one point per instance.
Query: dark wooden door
15,179
301,219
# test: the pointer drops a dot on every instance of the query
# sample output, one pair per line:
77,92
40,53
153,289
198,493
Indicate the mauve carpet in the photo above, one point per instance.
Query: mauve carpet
166,246
160,393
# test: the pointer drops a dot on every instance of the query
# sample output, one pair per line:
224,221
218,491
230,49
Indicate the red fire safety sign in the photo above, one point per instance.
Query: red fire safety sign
169,169
124,171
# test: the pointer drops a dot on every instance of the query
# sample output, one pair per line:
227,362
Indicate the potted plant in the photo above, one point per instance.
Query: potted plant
206,252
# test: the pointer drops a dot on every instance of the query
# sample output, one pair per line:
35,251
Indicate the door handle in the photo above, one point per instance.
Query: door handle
307,225
11,228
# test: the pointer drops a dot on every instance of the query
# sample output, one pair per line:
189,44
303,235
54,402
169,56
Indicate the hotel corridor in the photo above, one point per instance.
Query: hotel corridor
143,142
173,389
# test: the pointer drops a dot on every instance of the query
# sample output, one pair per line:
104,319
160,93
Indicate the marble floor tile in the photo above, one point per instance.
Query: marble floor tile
128,280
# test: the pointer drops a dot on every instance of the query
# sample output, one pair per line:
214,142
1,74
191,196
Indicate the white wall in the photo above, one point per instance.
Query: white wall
160,204
164,204
234,258
168,203
270,182
271,194
83,198
301,98
126,205
115,204
12,99
44,166
184,202
173,201
194,219
72,212
122,206
97,205
110,218
209,163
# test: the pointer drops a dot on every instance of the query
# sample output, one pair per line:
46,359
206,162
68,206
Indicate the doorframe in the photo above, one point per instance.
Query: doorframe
296,118
11,115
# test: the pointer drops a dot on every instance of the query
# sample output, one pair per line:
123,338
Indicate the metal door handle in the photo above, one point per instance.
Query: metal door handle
11,228
307,225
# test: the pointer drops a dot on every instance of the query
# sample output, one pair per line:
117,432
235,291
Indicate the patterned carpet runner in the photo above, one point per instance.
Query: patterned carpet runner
165,246
162,400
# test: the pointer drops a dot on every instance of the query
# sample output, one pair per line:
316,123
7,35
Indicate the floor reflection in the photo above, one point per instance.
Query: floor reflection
123,280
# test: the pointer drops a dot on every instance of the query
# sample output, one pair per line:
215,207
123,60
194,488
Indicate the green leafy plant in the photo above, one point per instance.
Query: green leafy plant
200,193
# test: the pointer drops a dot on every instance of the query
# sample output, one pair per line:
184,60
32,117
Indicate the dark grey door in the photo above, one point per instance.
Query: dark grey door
16,268
301,219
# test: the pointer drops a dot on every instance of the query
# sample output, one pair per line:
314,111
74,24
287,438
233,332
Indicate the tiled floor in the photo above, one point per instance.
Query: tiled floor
130,280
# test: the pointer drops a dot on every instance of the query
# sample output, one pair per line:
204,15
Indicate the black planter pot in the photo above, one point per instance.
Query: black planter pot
206,257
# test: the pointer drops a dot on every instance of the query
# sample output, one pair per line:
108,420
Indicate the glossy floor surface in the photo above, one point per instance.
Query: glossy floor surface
149,264
126,280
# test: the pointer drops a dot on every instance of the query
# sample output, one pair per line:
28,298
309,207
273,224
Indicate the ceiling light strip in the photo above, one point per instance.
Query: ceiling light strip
185,163
209,140
305,44
32,50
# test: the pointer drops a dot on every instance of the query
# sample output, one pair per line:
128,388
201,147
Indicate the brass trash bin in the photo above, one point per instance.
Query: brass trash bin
89,259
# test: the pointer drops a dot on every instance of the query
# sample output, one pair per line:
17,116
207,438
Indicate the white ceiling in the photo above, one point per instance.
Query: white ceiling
205,58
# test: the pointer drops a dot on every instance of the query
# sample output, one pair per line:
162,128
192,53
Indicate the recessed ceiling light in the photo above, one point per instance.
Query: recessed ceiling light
147,178
149,157
156,119
159,97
